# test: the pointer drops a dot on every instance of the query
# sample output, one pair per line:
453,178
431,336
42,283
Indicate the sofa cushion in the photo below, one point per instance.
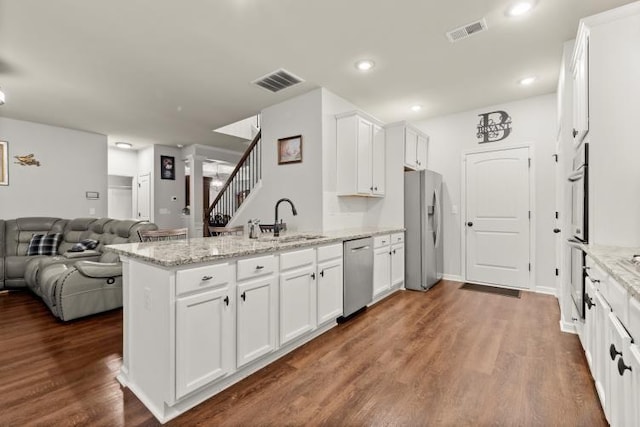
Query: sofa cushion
41,244
18,232
15,266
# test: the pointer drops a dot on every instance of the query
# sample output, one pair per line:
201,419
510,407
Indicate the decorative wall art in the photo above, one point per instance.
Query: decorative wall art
493,126
167,167
290,150
27,160
4,163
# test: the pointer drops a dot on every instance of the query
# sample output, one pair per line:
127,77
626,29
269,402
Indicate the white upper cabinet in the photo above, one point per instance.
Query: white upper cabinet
414,143
580,77
361,160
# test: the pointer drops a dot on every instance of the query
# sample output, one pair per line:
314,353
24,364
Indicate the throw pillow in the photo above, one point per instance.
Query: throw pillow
44,245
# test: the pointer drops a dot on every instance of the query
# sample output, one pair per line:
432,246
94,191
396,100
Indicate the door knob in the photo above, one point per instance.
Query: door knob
470,224
556,230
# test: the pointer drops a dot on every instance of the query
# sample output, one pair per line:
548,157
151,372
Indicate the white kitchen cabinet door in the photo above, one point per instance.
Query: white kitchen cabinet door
205,339
600,354
580,72
589,330
410,148
329,290
619,343
297,303
379,158
397,264
633,394
257,319
381,270
364,156
421,152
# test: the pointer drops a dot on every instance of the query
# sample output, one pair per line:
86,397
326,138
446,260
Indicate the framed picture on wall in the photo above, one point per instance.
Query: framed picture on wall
4,163
167,167
290,150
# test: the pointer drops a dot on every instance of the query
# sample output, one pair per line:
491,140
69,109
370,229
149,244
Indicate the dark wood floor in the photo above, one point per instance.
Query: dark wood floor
447,357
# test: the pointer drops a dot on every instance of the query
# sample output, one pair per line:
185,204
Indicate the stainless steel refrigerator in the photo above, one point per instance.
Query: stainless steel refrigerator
423,221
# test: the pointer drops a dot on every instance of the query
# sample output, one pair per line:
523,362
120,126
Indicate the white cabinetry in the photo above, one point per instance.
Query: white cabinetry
257,311
580,78
619,380
388,263
297,294
329,284
205,328
414,143
360,155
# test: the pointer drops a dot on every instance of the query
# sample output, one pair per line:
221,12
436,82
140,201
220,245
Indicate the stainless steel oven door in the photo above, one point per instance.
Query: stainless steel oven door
577,179
577,276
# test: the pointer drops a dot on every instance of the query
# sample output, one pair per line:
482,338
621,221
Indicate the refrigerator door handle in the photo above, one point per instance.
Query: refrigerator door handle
437,207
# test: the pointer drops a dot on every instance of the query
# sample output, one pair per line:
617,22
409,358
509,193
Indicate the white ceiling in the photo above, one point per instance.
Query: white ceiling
151,71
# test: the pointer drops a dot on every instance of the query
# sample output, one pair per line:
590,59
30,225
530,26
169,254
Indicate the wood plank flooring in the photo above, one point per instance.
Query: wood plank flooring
448,357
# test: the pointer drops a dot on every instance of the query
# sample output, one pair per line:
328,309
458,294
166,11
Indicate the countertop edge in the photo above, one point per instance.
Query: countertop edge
603,257
332,237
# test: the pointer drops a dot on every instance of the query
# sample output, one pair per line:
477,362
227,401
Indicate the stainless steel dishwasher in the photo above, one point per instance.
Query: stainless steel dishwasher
358,275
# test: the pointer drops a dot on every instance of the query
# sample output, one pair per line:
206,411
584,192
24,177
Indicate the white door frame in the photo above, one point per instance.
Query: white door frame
463,204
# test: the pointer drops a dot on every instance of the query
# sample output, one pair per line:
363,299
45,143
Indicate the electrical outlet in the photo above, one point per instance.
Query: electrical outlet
92,211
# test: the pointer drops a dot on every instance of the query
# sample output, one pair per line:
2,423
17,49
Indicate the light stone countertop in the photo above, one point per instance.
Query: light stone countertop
616,262
204,249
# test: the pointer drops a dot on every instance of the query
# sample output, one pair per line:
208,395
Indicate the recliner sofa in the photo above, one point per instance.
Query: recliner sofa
71,284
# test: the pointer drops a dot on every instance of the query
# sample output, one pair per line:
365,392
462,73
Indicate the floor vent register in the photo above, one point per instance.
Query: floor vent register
514,293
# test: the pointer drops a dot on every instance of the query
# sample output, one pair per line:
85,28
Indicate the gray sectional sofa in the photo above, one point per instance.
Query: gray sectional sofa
71,284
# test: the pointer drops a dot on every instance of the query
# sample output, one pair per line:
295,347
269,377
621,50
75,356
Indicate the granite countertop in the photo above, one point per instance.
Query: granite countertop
616,261
203,249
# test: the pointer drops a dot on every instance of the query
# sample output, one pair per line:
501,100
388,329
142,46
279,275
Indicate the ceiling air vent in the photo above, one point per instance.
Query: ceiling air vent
277,80
467,30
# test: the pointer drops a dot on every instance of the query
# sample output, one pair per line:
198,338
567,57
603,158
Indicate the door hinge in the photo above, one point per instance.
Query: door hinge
557,272
557,215
529,266
529,161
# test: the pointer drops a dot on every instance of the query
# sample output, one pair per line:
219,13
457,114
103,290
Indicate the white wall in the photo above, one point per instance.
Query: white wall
349,212
168,194
122,162
300,182
534,121
72,163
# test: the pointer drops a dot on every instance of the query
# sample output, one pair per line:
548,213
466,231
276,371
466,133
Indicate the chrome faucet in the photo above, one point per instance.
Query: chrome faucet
276,226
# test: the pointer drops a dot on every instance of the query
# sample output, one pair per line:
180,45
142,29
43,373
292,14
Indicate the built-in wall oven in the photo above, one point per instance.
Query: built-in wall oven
579,180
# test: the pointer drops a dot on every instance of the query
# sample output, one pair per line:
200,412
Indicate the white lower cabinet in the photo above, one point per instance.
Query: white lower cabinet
381,270
589,330
619,377
397,264
297,302
257,319
330,289
388,263
205,339
599,354
631,395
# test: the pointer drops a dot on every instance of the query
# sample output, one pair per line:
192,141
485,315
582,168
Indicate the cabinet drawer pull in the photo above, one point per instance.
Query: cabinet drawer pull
259,267
575,133
613,352
226,300
322,273
622,367
243,296
206,278
394,251
313,276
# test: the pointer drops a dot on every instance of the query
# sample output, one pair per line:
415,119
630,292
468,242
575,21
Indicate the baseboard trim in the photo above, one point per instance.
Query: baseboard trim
453,277
567,327
546,290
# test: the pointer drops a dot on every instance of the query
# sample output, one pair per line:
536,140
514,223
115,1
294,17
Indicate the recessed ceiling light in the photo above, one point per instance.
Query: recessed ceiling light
123,145
520,8
180,145
365,64
416,107
527,81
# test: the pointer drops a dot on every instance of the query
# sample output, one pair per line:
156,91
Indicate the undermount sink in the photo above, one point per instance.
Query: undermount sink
291,238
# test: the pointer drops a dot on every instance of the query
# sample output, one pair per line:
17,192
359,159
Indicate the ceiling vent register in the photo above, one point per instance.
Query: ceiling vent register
467,30
278,80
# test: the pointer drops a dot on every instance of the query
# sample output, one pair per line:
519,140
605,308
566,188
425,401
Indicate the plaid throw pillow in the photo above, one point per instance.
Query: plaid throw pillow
44,245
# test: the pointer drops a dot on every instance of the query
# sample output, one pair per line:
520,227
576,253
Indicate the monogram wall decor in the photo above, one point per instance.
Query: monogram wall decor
493,126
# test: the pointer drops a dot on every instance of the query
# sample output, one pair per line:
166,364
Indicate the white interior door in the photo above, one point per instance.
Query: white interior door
497,217
144,203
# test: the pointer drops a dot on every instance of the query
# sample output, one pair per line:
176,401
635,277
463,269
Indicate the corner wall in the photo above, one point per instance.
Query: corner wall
72,163
534,121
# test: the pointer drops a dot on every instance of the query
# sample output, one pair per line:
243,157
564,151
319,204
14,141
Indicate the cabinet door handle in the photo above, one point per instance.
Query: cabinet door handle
322,273
588,301
375,188
622,367
259,267
390,253
243,296
313,276
206,278
575,133
394,251
586,268
613,352
226,300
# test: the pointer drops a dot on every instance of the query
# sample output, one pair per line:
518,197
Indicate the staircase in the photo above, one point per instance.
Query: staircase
235,191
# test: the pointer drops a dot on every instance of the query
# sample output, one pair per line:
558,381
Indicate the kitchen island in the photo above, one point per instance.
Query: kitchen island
203,313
